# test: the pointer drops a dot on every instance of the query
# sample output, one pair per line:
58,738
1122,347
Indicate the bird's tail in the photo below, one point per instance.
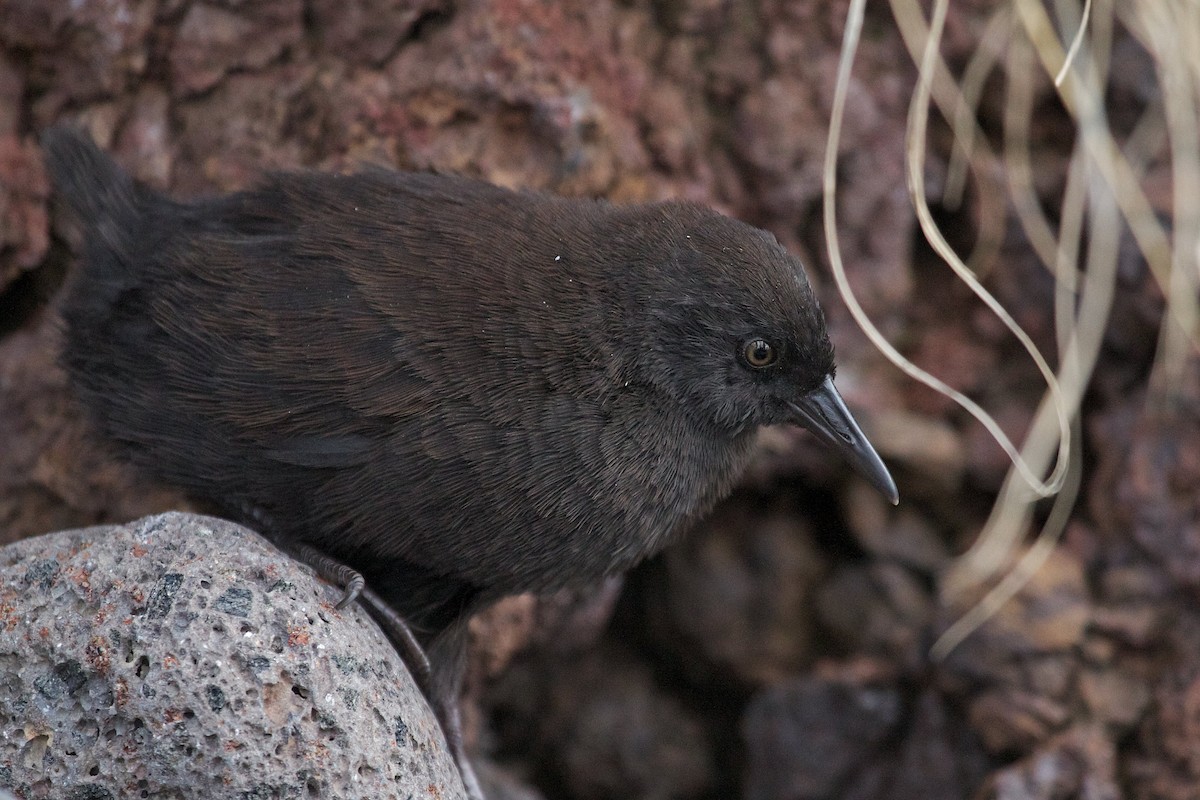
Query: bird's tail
102,195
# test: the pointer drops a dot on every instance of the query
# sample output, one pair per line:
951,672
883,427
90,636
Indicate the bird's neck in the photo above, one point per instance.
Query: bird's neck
681,474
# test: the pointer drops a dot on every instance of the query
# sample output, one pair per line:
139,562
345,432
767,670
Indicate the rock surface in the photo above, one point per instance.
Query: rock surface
184,656
794,753
805,578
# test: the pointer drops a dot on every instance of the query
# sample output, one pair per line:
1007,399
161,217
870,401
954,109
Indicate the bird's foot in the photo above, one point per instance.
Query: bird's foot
350,580
443,702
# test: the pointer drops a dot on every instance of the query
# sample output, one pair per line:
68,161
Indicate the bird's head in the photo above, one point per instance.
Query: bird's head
724,323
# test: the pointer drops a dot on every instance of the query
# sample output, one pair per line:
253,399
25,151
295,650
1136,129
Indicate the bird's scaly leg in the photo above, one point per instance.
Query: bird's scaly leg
442,695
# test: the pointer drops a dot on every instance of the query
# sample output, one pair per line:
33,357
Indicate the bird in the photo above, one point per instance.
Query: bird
456,391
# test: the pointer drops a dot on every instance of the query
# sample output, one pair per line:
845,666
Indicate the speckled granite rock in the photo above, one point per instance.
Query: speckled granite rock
183,656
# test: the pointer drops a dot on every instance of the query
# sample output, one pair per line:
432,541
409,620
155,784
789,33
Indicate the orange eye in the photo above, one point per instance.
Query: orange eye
759,353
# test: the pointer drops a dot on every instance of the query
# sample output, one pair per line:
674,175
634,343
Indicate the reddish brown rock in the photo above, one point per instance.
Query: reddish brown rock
736,601
807,737
626,738
725,103
220,150
603,726
144,140
368,31
571,620
1008,720
1156,490
877,609
502,631
1080,763
1115,696
24,222
12,87
1019,668
564,623
213,40
900,535
1163,759
938,759
80,52
1047,616
530,94
499,784
52,474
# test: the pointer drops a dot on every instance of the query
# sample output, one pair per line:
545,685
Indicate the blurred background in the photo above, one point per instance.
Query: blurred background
809,640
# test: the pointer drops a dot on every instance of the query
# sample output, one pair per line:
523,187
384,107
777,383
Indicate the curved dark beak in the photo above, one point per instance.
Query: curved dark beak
823,413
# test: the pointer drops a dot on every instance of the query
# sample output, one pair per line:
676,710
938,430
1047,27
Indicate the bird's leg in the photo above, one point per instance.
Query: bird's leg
438,674
350,580
403,639
441,686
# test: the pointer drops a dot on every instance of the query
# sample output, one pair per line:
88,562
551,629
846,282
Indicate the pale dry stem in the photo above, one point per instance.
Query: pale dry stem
1103,193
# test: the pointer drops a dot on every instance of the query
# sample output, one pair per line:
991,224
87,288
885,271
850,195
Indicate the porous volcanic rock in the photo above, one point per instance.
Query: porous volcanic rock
184,656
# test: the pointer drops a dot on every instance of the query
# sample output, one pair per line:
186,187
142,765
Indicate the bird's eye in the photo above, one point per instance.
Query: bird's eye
759,353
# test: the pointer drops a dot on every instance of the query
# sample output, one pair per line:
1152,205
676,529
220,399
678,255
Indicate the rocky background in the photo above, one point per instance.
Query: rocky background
782,652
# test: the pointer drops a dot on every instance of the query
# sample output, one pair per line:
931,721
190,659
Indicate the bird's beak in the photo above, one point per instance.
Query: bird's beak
823,413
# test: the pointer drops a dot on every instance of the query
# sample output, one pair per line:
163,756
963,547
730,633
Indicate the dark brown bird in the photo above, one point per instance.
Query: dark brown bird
460,391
